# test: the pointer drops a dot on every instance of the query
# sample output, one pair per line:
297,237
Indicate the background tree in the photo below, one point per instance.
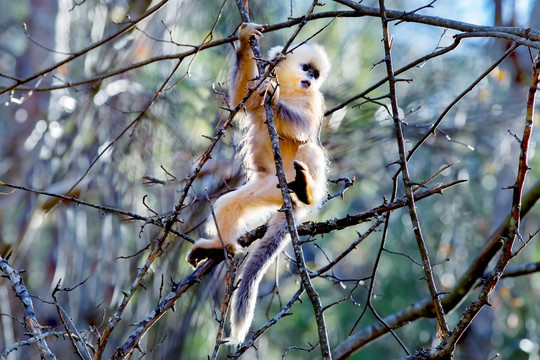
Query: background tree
116,138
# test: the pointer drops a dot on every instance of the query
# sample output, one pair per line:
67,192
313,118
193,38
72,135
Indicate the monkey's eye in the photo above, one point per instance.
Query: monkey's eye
305,67
316,74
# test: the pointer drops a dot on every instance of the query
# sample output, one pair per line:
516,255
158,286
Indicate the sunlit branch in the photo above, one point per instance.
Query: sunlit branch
408,184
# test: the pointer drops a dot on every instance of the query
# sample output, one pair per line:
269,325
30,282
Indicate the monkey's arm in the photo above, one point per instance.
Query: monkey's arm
245,69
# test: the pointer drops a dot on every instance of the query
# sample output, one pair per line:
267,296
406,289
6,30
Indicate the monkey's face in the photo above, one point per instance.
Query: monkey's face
298,74
311,75
302,70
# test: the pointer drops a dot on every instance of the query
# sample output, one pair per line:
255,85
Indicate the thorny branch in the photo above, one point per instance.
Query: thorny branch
408,184
71,330
34,340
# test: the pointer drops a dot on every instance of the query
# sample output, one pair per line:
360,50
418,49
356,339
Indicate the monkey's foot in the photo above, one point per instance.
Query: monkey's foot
247,30
207,249
300,183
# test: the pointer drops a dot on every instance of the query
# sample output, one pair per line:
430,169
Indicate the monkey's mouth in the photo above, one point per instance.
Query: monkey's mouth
305,84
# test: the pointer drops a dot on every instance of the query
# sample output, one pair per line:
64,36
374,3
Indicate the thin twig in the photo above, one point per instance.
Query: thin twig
512,230
130,215
442,325
170,221
424,307
84,51
282,313
409,66
469,88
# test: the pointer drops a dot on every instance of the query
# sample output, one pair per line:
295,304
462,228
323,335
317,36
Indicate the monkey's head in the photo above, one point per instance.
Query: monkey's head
304,69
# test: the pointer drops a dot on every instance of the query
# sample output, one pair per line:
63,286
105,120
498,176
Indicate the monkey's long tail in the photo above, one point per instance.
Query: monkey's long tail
258,261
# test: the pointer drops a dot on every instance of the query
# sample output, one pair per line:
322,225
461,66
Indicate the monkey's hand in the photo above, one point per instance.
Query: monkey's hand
300,183
247,30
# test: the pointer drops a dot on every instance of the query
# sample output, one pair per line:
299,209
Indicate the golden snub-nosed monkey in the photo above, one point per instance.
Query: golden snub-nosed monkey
298,111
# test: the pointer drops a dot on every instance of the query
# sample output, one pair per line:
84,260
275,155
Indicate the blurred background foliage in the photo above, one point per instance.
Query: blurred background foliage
49,139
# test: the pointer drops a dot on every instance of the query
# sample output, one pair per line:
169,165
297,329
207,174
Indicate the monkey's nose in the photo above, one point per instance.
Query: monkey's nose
305,83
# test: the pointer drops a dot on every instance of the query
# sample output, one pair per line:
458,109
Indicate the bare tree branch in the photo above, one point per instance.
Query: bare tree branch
507,242
442,325
526,37
129,215
521,36
30,320
424,308
84,51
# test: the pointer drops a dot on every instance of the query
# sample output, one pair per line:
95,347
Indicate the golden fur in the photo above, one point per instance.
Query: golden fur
298,111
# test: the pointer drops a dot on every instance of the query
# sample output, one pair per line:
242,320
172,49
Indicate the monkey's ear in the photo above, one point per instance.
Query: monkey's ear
274,52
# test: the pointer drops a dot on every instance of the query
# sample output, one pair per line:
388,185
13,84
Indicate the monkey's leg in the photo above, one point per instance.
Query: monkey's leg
310,179
235,212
